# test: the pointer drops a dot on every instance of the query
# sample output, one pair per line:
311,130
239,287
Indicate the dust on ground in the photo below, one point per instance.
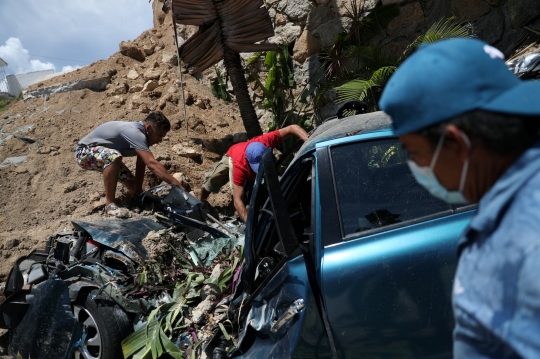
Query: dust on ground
41,195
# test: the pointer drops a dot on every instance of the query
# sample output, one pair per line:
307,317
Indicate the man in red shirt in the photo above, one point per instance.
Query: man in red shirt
242,162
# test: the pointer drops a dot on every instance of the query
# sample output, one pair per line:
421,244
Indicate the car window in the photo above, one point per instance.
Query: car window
375,187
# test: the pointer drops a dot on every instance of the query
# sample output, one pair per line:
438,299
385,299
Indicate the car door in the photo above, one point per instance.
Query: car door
278,312
388,253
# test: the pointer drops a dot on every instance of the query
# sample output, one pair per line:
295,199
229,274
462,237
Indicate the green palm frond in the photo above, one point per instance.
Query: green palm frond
353,90
442,29
359,89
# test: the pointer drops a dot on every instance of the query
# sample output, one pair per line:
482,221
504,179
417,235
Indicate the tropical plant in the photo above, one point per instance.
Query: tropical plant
442,29
377,66
335,57
279,89
219,86
226,28
167,325
354,11
278,85
361,89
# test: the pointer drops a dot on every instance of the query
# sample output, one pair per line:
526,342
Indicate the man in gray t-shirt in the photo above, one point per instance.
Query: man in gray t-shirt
103,148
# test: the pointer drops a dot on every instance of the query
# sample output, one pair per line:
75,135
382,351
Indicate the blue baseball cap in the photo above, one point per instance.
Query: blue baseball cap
254,151
452,77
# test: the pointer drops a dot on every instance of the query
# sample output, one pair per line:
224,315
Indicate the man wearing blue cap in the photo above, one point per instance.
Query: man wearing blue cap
242,162
472,131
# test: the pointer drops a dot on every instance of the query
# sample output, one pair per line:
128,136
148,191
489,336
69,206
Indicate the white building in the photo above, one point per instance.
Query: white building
19,82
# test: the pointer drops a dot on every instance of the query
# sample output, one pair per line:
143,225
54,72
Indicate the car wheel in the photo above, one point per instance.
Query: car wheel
105,325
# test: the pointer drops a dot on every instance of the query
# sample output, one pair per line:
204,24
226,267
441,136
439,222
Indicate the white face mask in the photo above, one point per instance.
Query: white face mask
426,177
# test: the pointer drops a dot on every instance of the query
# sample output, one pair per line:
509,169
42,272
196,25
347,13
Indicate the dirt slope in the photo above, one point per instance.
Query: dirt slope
41,195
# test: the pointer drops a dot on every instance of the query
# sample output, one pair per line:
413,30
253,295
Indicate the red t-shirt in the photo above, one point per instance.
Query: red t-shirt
241,169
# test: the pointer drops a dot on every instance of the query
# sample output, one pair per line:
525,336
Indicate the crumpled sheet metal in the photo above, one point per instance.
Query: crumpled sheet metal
123,235
207,248
525,64
257,337
49,329
178,200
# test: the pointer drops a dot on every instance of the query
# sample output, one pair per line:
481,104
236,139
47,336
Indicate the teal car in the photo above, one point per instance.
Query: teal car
346,256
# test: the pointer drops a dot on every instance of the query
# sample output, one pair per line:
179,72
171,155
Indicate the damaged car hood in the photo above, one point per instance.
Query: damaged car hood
123,235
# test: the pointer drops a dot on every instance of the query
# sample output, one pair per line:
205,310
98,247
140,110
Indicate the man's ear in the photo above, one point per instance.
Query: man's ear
147,127
459,143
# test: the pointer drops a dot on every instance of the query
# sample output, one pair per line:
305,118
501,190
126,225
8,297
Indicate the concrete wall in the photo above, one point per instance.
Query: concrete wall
19,82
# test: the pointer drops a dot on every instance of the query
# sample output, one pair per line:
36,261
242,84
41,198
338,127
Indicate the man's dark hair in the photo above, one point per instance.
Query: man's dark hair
158,120
502,134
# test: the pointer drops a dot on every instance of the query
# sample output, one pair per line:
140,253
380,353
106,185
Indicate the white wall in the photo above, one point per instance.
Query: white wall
19,82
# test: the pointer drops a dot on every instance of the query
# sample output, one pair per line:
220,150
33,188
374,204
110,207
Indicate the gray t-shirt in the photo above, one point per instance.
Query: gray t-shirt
122,136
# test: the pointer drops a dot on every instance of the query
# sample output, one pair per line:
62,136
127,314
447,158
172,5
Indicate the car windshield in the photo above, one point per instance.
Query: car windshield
375,187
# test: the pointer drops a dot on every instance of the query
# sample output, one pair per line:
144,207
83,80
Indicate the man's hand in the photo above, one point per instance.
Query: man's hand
293,130
157,168
238,204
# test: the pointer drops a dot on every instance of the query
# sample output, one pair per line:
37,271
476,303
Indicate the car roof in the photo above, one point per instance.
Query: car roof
334,128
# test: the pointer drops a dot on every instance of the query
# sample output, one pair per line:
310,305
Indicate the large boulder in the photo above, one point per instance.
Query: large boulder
327,31
149,49
318,16
136,88
132,75
305,46
151,75
297,9
285,35
469,10
150,86
410,18
523,11
129,49
170,59
159,14
490,28
120,89
185,151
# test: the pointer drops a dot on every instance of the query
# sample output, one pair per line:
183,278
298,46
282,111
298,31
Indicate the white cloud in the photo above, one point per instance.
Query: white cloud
18,58
71,33
70,68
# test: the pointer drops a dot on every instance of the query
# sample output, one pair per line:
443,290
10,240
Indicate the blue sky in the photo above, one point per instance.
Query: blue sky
61,34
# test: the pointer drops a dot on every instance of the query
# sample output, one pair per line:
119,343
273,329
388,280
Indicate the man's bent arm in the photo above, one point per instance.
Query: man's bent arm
293,130
139,175
238,204
157,168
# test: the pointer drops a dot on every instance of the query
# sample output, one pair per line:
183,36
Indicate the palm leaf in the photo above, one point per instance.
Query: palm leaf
442,29
194,12
358,89
237,24
137,341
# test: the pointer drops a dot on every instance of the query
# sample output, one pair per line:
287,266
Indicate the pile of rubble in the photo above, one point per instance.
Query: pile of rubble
42,186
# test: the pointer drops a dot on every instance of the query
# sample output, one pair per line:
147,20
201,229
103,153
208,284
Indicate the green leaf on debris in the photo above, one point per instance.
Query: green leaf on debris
224,331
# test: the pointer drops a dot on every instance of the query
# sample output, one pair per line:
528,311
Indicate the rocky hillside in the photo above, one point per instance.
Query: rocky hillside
41,194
